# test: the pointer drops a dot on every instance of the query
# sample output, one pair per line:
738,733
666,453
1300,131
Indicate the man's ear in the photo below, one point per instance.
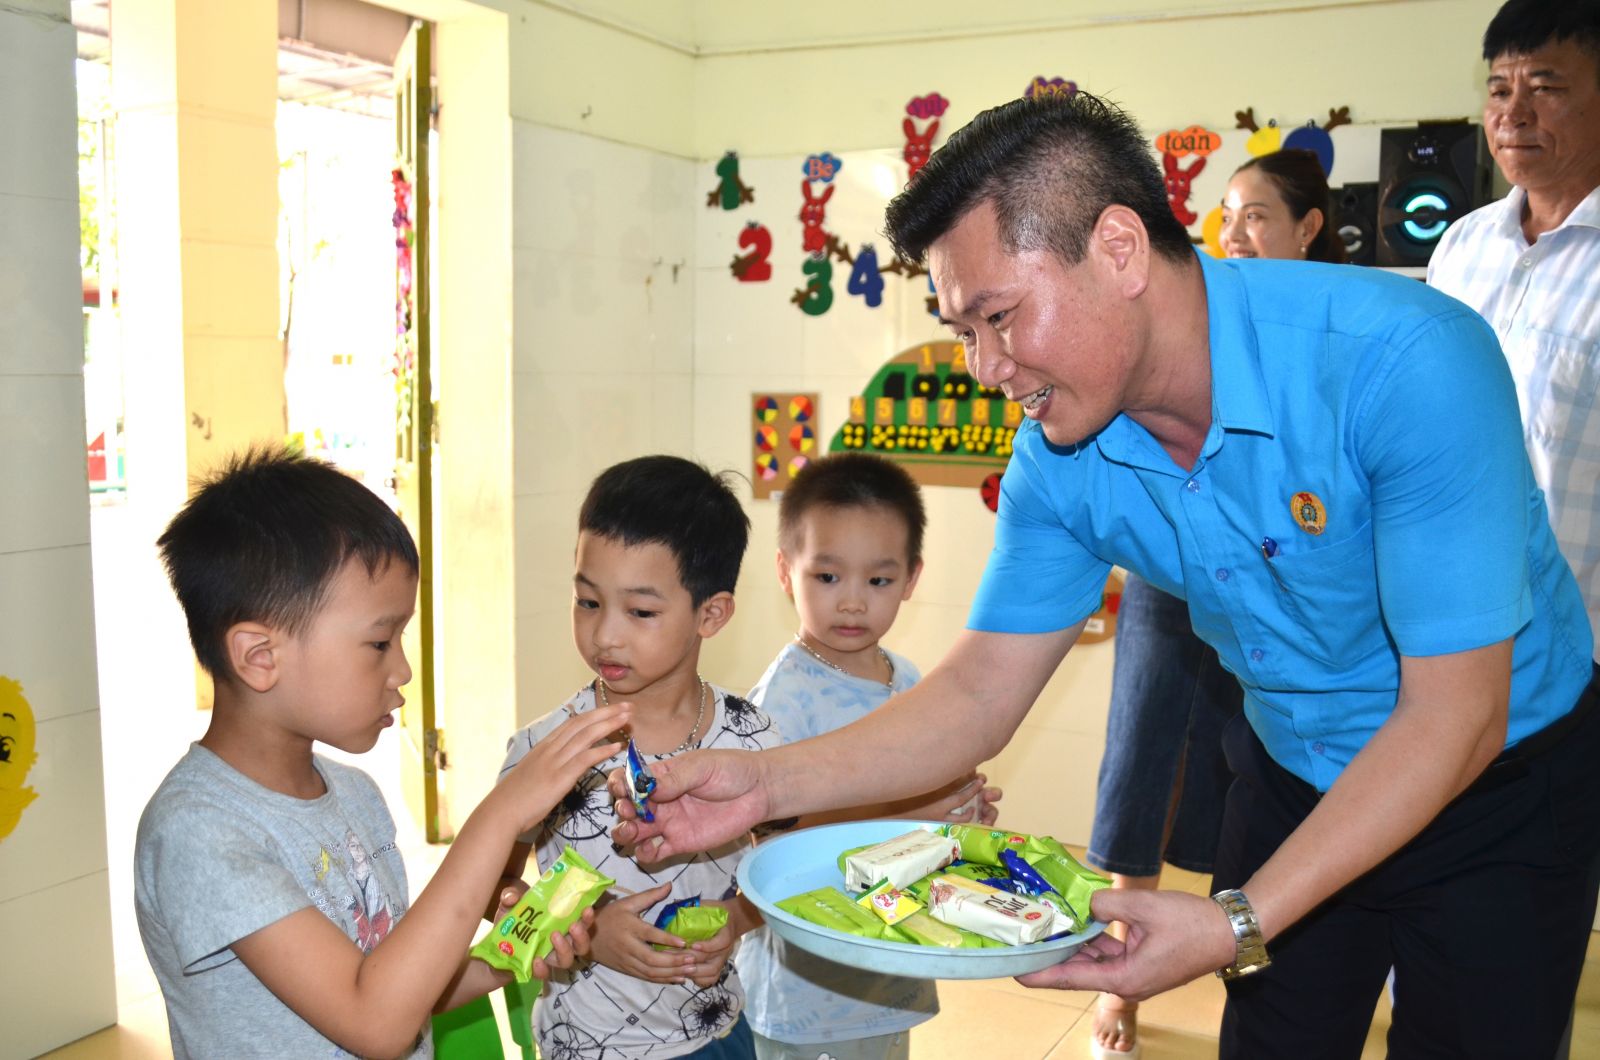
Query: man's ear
714,614
785,575
253,654
911,580
1120,241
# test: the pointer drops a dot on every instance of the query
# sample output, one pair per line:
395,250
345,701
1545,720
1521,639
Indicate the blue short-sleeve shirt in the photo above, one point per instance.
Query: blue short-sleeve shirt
1387,403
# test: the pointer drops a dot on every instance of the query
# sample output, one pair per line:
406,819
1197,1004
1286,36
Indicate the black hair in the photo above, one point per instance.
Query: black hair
1050,165
854,480
1298,176
1524,26
677,503
262,539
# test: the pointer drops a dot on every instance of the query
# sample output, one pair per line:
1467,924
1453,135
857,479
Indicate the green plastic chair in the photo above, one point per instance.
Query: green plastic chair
470,1032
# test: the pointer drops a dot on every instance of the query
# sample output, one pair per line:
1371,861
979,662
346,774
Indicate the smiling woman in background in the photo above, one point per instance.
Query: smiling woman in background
1163,779
1277,206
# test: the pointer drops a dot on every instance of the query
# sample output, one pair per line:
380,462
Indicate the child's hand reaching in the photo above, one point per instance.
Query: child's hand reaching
557,762
964,801
624,942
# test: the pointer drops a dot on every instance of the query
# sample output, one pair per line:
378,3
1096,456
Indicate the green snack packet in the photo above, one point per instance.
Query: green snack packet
1073,881
983,845
833,909
695,923
553,904
924,930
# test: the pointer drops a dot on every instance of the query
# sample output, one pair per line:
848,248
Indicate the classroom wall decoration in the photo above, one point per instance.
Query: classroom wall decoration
919,142
1174,145
1309,137
753,267
783,439
730,192
17,755
924,410
1055,86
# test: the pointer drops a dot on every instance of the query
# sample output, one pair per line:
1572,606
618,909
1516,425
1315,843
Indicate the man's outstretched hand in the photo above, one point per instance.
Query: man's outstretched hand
702,800
1172,938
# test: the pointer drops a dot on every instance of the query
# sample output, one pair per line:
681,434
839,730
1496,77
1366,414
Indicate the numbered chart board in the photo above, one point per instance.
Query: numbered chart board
783,439
924,410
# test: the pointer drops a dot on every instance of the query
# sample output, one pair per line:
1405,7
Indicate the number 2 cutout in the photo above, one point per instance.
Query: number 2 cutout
864,278
754,267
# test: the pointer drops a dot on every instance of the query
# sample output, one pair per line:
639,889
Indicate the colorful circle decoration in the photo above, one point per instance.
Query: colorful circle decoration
767,409
800,408
797,465
990,492
767,466
802,438
766,439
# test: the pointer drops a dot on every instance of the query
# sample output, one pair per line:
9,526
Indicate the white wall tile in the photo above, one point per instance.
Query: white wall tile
49,591
45,471
546,529
577,312
549,668
41,289
57,978
62,833
40,103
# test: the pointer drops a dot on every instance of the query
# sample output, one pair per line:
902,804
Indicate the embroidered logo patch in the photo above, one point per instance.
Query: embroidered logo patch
1308,512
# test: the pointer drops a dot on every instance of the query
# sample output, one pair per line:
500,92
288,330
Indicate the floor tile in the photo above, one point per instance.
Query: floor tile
976,1020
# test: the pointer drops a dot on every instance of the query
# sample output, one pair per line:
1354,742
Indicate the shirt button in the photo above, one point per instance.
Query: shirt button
1192,486
1222,574
1527,262
1317,747
1256,655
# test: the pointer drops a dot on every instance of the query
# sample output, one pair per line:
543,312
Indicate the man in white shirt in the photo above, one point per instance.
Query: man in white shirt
1530,263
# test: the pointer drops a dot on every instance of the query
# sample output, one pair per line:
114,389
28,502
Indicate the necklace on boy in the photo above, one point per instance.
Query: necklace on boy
824,660
700,715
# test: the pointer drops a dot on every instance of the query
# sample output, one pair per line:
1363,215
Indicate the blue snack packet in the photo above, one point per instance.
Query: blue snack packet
640,783
1027,879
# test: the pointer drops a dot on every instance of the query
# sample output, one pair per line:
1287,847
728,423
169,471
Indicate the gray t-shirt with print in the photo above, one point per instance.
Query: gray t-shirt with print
218,857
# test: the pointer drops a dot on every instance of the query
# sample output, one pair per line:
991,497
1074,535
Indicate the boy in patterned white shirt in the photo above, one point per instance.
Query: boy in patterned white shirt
660,540
849,554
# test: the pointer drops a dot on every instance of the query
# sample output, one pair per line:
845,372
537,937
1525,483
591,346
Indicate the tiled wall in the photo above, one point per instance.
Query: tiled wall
55,913
602,313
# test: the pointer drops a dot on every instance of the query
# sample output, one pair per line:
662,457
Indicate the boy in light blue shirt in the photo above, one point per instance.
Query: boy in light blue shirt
849,554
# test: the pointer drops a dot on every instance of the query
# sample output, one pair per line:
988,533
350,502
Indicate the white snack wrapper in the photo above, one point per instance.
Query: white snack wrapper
999,915
902,860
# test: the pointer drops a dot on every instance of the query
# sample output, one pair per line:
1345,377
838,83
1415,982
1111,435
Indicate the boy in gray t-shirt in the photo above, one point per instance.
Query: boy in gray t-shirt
270,895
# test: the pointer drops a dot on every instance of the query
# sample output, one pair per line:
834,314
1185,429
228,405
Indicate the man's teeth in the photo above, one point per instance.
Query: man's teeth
1035,399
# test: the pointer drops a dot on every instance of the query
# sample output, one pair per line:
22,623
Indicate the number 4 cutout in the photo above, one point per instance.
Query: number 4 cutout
865,279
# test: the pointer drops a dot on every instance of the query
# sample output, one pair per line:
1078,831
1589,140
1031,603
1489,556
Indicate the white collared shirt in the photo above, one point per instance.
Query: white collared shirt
1543,300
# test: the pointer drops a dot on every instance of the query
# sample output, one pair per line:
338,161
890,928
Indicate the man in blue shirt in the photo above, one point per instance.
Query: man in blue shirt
1327,464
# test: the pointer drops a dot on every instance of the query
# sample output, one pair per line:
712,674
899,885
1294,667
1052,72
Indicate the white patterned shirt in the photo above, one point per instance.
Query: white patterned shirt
591,1012
794,996
1543,301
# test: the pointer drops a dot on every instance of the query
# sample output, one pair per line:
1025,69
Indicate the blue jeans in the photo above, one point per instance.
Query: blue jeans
737,1044
1170,700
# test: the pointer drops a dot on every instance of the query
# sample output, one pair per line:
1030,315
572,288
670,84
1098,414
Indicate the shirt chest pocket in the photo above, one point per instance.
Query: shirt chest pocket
1330,593
1557,376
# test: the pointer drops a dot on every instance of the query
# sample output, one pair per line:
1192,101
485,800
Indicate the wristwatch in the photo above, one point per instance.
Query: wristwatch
1250,954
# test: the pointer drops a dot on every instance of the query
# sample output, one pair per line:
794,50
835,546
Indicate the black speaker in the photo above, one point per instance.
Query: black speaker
1355,221
1428,178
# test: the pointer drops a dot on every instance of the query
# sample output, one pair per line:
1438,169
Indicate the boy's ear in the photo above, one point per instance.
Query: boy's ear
785,576
714,614
253,654
911,580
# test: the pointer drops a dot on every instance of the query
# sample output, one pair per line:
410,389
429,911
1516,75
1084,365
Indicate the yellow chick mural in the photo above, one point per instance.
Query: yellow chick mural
17,754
